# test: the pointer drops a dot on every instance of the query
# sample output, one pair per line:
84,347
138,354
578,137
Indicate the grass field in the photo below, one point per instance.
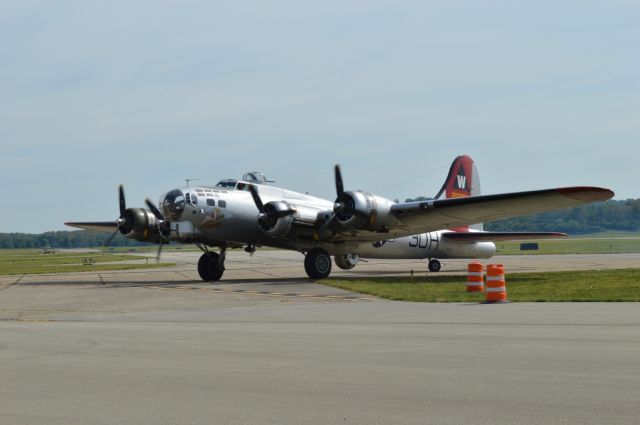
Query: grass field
150,248
603,286
586,244
35,262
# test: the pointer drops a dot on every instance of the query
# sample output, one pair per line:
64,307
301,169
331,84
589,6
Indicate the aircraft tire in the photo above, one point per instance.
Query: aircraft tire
208,267
434,265
317,263
346,262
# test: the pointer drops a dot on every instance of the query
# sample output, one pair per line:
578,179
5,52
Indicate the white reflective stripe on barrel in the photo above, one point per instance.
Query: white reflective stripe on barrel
495,278
500,289
475,274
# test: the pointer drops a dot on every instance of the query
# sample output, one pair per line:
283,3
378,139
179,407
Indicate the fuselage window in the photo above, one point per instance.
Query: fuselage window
222,204
194,199
211,202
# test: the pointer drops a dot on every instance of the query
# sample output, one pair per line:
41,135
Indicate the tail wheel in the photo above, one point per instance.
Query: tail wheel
317,263
346,262
434,265
209,267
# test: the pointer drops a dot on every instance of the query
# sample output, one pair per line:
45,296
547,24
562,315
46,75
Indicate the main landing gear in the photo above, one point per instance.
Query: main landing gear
317,263
434,265
211,265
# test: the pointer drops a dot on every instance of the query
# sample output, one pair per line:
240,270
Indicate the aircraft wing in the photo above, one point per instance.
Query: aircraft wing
98,226
427,216
470,237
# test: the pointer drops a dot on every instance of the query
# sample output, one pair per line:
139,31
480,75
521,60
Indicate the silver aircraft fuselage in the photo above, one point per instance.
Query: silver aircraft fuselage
226,216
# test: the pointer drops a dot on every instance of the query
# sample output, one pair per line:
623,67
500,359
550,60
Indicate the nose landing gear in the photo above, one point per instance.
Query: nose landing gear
211,265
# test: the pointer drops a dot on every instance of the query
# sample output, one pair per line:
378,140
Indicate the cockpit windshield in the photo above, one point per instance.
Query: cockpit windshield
227,184
173,204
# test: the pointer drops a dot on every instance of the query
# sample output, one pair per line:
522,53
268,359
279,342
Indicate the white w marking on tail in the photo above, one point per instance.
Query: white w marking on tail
462,182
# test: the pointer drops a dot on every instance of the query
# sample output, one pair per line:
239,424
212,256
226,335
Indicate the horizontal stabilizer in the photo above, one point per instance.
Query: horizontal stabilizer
471,237
98,226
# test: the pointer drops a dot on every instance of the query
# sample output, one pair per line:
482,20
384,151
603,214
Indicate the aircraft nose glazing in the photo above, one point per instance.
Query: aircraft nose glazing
173,204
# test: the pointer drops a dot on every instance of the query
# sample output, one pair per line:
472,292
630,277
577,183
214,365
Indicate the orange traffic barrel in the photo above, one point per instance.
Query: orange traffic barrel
496,286
475,277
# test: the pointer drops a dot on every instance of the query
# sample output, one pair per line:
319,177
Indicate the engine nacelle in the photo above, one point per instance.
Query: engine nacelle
365,211
276,226
346,262
140,224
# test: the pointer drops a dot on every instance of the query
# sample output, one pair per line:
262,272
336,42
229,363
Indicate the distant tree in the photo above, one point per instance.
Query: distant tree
418,199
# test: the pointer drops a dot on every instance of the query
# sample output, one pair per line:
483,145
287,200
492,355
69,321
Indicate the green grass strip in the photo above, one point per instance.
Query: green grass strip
33,262
579,286
48,269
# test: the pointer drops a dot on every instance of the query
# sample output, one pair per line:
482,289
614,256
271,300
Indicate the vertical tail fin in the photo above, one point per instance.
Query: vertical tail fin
462,181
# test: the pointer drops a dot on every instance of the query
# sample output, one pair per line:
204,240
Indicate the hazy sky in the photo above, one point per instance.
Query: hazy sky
147,93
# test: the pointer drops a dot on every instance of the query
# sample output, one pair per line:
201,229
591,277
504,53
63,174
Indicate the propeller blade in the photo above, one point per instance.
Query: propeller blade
113,235
256,198
326,223
123,205
280,214
339,183
154,210
159,252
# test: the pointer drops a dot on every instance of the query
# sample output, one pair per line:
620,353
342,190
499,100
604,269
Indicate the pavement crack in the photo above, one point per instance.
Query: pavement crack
9,284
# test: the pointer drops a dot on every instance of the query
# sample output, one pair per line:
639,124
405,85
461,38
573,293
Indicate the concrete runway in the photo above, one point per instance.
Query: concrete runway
266,346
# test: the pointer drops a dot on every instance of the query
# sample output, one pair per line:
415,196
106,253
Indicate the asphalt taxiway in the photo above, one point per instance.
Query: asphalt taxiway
267,346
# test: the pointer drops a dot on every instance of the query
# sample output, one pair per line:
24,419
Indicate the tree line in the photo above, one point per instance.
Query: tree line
592,218
598,217
63,239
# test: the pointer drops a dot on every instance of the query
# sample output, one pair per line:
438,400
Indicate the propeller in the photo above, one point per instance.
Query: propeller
256,198
121,222
268,215
339,183
126,222
123,204
154,210
343,206
163,225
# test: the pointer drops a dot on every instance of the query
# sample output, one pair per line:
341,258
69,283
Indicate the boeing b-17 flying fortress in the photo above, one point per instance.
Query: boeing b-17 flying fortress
251,212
